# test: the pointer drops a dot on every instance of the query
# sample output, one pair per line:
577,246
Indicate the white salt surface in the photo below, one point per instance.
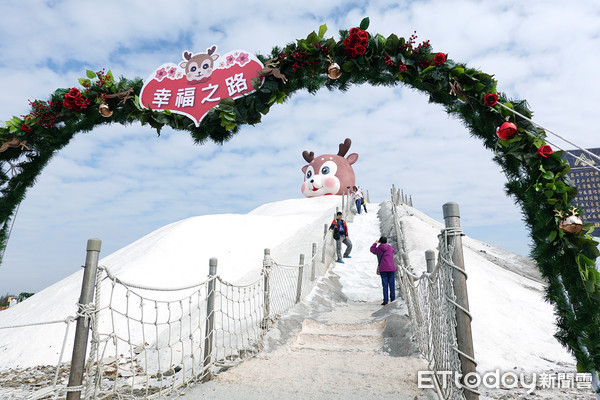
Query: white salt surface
512,327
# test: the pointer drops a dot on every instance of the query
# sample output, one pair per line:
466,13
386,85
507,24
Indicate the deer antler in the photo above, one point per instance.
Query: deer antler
308,156
344,147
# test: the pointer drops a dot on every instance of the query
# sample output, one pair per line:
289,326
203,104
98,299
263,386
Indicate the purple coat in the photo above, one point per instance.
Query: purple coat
384,253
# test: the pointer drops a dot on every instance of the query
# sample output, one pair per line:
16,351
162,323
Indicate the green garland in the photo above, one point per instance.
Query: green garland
537,177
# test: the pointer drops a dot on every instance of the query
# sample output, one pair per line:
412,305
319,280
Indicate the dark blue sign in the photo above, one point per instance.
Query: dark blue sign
587,179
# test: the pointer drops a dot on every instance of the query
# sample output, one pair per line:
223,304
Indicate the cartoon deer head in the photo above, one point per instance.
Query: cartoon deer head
199,67
328,173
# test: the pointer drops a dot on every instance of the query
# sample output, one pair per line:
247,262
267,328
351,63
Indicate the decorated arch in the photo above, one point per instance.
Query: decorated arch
537,177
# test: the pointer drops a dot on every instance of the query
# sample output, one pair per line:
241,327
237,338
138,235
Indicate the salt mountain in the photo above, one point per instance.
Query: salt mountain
512,324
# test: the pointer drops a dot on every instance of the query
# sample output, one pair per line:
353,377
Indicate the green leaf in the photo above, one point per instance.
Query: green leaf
312,38
391,43
348,66
364,24
322,30
255,82
90,74
552,236
458,71
426,70
548,175
84,82
227,101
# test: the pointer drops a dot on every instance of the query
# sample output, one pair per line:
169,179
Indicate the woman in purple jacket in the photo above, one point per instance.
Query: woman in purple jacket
385,268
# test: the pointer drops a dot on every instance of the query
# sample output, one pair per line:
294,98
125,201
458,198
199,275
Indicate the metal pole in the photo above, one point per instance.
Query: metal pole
266,273
463,320
300,274
410,201
368,198
314,252
210,319
83,322
430,260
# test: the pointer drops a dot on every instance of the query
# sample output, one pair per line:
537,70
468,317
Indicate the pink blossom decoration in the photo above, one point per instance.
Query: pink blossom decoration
230,59
243,59
160,74
172,72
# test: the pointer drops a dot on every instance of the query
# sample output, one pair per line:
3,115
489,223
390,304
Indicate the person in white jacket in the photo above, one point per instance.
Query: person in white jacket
359,198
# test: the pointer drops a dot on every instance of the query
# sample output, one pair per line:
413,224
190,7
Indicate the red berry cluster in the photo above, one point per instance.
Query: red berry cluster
25,128
407,46
43,113
102,78
388,61
423,63
356,43
74,101
402,67
322,49
300,59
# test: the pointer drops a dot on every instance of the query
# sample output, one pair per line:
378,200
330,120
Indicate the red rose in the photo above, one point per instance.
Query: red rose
439,59
490,99
544,151
507,131
69,102
25,128
363,36
360,49
73,100
350,52
354,31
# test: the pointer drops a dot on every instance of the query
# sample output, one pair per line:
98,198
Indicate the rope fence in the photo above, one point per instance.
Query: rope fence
150,342
432,304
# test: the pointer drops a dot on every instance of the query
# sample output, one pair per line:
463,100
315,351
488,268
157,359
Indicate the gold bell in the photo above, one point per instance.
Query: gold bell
334,71
571,224
104,110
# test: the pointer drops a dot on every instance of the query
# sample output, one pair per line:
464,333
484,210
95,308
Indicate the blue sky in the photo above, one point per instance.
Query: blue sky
119,183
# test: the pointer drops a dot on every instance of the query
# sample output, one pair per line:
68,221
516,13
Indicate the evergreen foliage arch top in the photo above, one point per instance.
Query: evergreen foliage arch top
536,176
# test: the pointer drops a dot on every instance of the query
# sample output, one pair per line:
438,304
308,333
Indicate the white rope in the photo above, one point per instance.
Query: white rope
67,320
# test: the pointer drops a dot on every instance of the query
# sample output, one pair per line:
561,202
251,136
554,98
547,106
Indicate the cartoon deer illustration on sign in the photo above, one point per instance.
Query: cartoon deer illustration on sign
328,173
199,67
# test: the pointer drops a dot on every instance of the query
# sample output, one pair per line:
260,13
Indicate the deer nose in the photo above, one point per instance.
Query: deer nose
312,181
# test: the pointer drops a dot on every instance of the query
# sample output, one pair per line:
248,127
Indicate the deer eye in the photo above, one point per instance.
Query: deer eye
325,170
205,66
193,69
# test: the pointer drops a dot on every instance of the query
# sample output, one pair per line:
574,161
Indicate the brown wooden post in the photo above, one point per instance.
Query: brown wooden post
83,323
463,320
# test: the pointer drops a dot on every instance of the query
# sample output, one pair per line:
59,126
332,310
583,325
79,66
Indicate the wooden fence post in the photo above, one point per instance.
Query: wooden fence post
83,322
210,319
464,335
300,275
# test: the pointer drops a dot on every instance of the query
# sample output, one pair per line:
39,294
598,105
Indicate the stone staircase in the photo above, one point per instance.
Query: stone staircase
339,337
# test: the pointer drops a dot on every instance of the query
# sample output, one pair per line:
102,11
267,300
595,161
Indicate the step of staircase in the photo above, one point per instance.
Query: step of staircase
339,337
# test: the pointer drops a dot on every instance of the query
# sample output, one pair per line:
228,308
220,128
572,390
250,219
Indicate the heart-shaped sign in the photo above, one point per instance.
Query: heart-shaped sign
200,81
